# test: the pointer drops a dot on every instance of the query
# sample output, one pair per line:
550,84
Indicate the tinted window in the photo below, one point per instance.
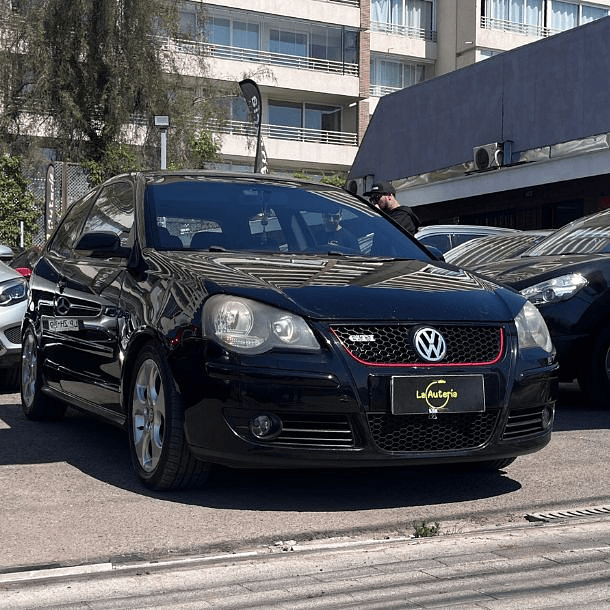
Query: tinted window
68,231
252,215
113,211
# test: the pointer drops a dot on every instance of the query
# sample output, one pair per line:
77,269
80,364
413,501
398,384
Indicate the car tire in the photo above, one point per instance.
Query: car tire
594,379
35,404
158,448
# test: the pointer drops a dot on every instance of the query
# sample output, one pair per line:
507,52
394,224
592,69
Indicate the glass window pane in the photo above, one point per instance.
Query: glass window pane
285,113
592,13
325,118
219,31
245,35
564,15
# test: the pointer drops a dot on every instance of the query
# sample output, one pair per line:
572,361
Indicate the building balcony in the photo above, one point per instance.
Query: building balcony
403,30
266,58
289,147
490,23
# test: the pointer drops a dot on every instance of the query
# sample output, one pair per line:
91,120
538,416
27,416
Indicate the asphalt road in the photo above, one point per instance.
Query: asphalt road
68,494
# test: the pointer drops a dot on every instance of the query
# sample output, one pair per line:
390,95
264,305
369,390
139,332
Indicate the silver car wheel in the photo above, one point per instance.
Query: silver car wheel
148,415
29,369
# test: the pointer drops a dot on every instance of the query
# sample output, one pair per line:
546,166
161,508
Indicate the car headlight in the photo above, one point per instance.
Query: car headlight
531,329
13,291
249,327
557,289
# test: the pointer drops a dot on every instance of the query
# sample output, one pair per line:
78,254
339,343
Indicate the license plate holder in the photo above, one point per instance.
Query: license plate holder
61,325
433,394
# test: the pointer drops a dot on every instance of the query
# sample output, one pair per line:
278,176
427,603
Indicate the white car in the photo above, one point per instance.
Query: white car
13,299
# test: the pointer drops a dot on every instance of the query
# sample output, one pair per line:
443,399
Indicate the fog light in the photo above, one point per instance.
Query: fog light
547,417
265,427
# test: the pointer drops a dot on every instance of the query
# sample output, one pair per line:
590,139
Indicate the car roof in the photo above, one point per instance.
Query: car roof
458,228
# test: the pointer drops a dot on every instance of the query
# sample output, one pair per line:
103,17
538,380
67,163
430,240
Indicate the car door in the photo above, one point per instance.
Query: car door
87,306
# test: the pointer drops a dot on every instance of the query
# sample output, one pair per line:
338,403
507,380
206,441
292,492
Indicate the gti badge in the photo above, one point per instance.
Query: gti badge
430,344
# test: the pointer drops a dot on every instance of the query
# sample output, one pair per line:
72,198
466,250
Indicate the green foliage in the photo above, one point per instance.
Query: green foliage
335,180
118,159
205,148
16,203
91,67
422,529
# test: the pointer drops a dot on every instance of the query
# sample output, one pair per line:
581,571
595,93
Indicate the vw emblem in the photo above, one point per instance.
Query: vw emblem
430,344
62,306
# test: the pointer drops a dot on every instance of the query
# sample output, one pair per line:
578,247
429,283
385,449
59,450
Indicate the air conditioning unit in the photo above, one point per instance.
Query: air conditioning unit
488,155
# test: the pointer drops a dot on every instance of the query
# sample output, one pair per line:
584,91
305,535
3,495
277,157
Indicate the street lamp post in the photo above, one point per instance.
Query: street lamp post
162,122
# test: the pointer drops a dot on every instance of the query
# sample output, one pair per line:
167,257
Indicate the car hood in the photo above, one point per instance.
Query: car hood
529,270
346,287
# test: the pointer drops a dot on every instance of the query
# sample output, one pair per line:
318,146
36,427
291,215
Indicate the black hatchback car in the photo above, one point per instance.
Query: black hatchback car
567,276
263,322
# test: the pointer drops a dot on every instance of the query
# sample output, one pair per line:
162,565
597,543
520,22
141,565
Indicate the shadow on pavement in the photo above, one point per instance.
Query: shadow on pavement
100,451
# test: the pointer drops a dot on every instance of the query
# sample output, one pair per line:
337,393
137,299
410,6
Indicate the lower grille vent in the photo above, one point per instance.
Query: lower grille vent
315,430
451,431
524,422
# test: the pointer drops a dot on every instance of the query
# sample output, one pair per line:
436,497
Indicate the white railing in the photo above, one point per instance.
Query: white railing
403,30
491,23
267,57
283,132
381,90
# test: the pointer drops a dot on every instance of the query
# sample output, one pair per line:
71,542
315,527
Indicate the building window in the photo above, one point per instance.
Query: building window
567,15
523,16
249,36
413,18
233,33
299,116
388,75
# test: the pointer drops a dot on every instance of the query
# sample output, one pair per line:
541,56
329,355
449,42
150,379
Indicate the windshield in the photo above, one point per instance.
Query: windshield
583,236
252,215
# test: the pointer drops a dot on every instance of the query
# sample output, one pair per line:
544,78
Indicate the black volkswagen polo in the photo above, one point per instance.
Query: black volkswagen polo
264,322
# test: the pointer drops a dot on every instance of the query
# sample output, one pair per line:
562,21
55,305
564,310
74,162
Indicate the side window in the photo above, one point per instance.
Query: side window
68,231
113,211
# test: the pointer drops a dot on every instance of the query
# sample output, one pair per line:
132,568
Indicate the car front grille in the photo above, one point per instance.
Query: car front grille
449,432
392,344
524,422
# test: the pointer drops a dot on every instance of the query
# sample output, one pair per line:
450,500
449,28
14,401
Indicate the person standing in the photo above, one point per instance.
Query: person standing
383,195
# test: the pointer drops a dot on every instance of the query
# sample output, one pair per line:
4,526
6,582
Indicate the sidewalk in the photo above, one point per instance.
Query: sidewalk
561,563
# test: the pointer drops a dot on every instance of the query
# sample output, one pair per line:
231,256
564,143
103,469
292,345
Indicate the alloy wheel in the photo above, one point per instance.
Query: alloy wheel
148,415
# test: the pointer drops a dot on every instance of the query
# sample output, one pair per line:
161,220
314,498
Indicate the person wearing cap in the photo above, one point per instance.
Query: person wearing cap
383,195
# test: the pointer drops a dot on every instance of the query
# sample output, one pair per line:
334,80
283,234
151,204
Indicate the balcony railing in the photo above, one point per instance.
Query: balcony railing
403,30
267,58
283,132
381,90
491,23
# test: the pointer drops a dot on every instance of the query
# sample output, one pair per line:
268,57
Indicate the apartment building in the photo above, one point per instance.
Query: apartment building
323,65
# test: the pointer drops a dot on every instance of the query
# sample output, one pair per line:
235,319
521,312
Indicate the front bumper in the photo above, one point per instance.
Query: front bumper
328,421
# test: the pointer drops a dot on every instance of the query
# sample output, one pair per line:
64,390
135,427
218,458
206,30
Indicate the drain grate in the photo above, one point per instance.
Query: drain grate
569,514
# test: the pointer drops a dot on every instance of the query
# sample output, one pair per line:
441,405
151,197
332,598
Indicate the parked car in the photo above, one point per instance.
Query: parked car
13,294
567,276
445,237
265,322
24,261
6,253
483,250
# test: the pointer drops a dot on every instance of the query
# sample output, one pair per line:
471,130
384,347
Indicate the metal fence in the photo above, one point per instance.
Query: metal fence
56,187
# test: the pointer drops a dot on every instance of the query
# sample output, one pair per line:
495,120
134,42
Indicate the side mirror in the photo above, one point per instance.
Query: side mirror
103,244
